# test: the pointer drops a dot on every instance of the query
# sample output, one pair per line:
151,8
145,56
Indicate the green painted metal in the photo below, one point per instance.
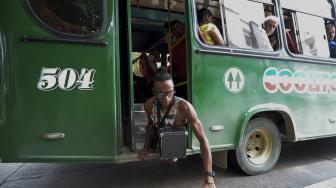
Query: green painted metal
310,114
2,79
92,119
89,119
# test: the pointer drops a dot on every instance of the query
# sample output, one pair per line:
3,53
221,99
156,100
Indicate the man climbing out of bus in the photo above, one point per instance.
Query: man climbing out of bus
180,112
330,29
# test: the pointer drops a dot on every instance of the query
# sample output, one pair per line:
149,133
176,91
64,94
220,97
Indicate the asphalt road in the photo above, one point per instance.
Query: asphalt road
301,164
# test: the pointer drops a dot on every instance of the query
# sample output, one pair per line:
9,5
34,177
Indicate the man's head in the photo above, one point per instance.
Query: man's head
330,29
163,87
270,24
156,55
177,28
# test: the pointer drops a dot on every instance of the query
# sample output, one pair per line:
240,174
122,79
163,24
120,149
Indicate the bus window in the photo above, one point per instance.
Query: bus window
209,19
290,30
301,37
244,28
313,39
79,17
320,8
209,27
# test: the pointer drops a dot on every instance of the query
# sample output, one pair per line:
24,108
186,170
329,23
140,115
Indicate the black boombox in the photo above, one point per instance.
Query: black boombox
172,142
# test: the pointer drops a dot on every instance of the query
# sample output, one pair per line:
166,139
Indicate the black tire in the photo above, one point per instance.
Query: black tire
260,148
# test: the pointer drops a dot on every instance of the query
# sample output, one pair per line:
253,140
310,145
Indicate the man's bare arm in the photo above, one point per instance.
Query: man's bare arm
188,110
148,109
148,130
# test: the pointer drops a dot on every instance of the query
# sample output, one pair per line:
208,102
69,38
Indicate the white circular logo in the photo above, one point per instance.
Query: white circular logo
234,79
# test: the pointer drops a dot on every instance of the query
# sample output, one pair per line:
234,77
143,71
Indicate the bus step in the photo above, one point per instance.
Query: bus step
140,127
139,140
140,123
140,117
139,107
129,156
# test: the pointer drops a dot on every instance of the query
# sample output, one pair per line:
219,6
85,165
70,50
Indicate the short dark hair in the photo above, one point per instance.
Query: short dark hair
171,23
202,13
162,75
329,26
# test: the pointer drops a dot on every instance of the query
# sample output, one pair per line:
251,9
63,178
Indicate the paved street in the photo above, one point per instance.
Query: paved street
310,163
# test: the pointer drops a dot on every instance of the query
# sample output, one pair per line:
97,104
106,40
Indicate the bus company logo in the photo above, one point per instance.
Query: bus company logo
234,79
299,81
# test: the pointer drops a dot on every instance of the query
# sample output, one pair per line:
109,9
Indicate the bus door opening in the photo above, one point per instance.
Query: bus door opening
158,40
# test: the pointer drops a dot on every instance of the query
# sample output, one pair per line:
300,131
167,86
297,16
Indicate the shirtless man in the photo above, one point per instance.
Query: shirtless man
181,112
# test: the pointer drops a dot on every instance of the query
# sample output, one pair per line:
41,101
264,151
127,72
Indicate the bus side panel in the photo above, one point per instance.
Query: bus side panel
226,87
217,103
87,118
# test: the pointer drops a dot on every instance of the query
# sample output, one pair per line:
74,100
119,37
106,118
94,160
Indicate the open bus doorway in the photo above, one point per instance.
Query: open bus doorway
154,45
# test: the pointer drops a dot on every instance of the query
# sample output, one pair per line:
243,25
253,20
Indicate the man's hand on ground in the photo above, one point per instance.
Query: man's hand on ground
143,154
209,182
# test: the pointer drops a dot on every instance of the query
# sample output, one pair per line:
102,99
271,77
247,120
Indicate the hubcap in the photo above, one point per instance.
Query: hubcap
259,146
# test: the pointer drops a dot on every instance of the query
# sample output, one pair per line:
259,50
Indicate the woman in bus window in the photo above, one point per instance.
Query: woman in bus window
330,29
209,30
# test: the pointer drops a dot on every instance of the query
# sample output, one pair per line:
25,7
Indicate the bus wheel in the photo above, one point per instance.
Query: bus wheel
260,148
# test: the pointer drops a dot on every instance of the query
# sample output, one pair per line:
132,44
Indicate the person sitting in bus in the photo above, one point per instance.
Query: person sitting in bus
270,25
330,29
290,34
180,112
178,56
209,30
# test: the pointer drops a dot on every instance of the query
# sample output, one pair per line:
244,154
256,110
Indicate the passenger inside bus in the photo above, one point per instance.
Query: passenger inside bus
270,25
144,68
330,29
178,56
290,33
156,56
149,53
210,32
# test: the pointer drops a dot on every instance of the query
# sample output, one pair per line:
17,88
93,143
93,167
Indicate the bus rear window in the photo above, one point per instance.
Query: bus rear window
79,17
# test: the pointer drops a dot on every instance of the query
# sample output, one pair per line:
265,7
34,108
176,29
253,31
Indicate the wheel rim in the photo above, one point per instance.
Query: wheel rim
259,146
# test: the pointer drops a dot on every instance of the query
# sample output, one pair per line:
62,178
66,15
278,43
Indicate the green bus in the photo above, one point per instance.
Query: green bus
71,89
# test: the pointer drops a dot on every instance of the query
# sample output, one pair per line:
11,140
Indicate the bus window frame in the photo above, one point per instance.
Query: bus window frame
302,10
2,80
232,50
165,9
276,55
60,34
301,57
